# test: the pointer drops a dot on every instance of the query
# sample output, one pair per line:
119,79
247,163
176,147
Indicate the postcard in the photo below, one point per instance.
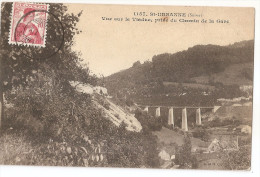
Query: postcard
129,86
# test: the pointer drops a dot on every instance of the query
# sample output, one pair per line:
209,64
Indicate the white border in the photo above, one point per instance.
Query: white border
23,43
104,172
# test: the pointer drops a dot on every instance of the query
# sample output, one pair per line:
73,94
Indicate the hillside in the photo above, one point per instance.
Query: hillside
233,74
118,115
199,70
111,111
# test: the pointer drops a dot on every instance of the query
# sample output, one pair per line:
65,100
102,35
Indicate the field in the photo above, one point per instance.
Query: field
190,85
167,137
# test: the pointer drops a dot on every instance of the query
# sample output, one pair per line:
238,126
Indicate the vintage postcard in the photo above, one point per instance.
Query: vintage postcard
130,86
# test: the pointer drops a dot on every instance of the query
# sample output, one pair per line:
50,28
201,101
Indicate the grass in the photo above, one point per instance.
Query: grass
190,85
168,136
13,149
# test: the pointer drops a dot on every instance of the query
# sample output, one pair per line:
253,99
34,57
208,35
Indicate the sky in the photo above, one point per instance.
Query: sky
108,46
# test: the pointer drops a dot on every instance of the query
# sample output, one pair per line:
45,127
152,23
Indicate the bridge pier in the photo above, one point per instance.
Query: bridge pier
198,116
171,117
157,112
184,123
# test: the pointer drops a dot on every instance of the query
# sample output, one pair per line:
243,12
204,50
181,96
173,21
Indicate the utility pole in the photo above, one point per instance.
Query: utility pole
237,144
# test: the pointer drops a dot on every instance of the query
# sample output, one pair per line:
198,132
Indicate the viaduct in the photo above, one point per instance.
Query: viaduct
184,124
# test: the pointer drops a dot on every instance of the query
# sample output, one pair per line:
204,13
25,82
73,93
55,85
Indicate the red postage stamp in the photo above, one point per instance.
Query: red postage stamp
28,24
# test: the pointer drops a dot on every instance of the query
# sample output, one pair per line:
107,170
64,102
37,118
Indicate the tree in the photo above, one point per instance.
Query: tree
184,157
17,66
237,160
137,63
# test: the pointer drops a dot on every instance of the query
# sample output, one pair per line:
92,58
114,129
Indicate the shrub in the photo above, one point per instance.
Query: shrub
13,149
57,123
237,160
129,102
106,106
125,148
149,123
102,101
217,122
201,133
184,157
117,116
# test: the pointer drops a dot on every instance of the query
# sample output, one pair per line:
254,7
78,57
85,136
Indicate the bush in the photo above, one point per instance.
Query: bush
217,122
17,150
65,143
102,101
201,133
149,123
13,149
58,123
237,160
125,148
184,157
129,102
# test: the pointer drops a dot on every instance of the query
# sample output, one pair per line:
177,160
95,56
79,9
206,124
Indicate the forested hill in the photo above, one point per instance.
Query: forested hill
207,64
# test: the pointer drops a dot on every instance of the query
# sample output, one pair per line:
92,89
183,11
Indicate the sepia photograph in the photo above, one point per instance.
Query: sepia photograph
126,86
